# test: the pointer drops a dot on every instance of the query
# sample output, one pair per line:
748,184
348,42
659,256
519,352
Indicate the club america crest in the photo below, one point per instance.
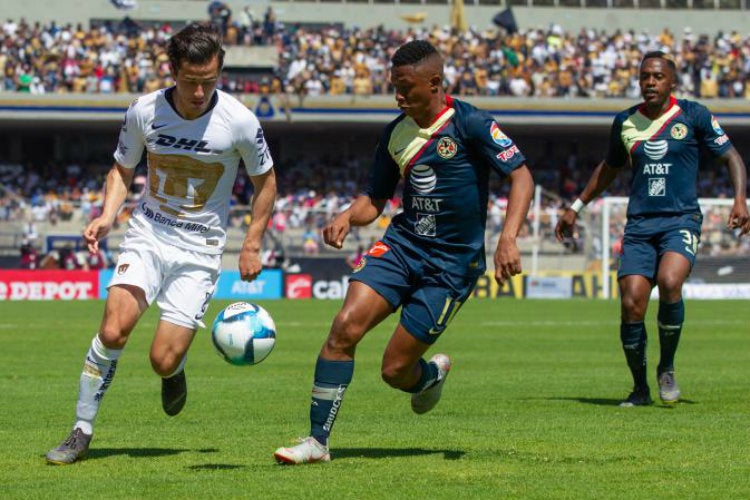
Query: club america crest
679,131
446,147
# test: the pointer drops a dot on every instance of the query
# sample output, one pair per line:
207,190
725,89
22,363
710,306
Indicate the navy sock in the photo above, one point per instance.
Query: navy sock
428,378
331,381
670,317
633,338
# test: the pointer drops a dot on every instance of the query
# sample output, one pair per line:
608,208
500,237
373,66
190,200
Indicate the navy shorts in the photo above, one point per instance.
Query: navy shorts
648,238
428,296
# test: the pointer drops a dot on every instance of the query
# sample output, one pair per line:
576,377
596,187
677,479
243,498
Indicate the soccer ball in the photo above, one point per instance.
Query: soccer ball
244,334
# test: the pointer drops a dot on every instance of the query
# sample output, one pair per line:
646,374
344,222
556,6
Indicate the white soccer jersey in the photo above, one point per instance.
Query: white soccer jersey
192,166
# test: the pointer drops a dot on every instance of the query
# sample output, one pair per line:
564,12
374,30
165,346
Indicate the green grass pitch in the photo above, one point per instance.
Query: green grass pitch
529,411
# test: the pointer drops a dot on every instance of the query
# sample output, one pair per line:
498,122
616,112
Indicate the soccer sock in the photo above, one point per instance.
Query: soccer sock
331,381
670,318
633,338
429,377
98,371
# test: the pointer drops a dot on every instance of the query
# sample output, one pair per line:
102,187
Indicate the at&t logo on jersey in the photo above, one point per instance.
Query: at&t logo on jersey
423,179
656,150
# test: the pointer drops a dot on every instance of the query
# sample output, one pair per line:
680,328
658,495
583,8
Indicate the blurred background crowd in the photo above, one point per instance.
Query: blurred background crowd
129,57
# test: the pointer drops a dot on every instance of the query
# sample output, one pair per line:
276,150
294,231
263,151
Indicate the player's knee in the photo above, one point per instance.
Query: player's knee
345,333
112,337
164,365
670,288
633,308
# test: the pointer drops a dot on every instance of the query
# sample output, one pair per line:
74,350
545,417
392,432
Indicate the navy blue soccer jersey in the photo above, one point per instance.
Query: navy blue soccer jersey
665,155
446,169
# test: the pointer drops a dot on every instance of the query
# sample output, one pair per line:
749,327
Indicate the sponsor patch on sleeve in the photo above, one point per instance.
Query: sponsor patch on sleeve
498,136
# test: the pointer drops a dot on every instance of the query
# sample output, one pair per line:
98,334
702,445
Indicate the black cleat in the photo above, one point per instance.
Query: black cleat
639,397
174,393
71,450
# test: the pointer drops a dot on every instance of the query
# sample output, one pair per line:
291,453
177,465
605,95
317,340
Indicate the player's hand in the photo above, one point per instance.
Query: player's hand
335,231
95,231
507,260
250,265
565,225
738,217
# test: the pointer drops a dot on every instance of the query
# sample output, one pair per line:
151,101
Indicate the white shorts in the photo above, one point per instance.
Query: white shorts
181,281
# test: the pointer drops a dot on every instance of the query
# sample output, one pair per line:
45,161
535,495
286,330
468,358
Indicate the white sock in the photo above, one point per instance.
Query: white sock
98,371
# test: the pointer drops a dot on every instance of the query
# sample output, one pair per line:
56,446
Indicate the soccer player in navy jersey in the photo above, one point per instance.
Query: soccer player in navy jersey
661,139
432,253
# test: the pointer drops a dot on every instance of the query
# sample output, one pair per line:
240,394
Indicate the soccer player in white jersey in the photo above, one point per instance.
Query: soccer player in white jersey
194,136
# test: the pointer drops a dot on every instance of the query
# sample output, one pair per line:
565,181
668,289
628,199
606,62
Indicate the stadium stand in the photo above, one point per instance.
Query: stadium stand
51,179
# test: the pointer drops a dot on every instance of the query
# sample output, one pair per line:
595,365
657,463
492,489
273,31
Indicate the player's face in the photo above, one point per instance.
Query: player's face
415,91
195,85
657,82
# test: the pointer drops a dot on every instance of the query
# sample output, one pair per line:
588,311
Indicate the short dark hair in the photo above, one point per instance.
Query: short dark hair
659,54
413,52
196,43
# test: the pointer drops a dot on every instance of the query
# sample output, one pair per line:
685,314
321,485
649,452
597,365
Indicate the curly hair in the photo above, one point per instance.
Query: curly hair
658,54
413,52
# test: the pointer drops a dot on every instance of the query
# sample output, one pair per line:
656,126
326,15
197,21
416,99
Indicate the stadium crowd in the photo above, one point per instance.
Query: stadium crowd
311,191
130,58
543,62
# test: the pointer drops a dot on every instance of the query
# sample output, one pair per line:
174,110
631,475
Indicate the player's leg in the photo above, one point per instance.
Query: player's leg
424,317
674,269
363,309
404,368
634,295
638,265
168,357
188,286
124,306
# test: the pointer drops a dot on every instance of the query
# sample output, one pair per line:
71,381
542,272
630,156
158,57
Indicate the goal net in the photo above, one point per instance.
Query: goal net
722,268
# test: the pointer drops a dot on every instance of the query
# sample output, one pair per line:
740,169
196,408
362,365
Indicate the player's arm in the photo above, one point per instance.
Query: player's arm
363,211
738,217
507,257
264,196
600,180
116,190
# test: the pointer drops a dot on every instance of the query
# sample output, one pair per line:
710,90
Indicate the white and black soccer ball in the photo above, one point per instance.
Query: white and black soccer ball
244,333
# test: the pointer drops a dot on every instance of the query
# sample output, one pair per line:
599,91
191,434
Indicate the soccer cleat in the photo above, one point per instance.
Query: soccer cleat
174,393
308,451
71,450
639,397
424,401
669,391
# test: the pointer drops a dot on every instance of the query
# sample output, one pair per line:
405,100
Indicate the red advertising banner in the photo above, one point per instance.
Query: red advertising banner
48,285
298,286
